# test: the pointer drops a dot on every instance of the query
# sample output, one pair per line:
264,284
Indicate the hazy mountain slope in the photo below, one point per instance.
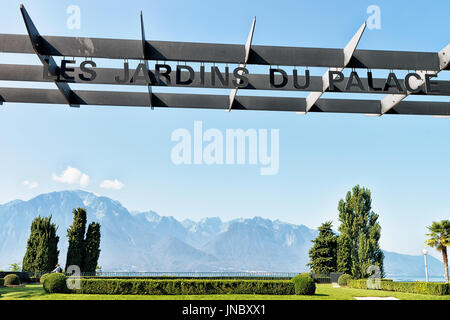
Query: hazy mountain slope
409,265
263,245
146,241
127,243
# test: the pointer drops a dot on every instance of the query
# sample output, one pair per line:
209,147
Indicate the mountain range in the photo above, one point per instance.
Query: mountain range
146,241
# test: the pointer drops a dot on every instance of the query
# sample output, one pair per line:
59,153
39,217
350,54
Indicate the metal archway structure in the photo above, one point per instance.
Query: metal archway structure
420,82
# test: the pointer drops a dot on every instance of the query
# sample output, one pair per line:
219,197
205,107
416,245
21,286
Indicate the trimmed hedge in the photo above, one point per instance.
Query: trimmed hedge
12,280
184,287
306,274
34,279
23,276
433,288
362,283
55,283
304,284
343,280
184,278
42,279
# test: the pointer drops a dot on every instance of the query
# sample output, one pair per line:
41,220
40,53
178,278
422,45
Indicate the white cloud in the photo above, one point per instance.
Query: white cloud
84,180
30,184
111,184
72,176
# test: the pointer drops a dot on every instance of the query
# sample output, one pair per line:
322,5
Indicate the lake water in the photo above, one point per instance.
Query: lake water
418,278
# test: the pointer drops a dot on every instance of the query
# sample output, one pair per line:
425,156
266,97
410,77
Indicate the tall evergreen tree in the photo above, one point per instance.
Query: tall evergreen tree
92,247
323,254
75,234
344,254
358,242
42,246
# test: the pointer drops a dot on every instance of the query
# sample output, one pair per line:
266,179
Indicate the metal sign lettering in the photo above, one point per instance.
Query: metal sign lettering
158,63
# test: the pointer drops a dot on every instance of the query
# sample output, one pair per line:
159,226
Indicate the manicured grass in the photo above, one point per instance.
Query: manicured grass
323,292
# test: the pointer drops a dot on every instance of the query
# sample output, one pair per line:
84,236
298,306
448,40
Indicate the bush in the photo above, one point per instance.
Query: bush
34,279
12,280
2,281
185,278
42,279
184,287
362,283
357,284
321,278
55,283
434,288
343,280
304,285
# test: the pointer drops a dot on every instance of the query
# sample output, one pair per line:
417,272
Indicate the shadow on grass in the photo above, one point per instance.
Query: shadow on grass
26,292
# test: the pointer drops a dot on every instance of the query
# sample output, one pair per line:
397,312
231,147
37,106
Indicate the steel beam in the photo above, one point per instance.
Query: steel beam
220,53
147,68
247,48
348,53
34,73
168,100
391,100
36,42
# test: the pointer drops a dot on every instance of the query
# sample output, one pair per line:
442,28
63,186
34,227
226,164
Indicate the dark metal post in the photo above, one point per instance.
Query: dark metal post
147,69
49,62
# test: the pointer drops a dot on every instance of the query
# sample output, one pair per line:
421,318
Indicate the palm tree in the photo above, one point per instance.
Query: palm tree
440,239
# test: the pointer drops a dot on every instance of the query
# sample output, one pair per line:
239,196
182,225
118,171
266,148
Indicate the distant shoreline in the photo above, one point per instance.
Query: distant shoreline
416,278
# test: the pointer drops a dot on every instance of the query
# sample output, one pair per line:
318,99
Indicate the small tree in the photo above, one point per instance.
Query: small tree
15,267
42,246
98,270
75,234
440,239
323,254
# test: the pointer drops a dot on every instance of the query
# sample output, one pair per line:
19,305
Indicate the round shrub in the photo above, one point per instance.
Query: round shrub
343,280
12,280
55,283
42,279
304,285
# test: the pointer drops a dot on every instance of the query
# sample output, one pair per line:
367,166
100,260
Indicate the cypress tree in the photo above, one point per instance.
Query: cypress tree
92,247
323,254
358,242
75,235
42,246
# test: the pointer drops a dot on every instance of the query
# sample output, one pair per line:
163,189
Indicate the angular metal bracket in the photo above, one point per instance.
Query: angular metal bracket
248,46
349,49
36,39
147,69
391,100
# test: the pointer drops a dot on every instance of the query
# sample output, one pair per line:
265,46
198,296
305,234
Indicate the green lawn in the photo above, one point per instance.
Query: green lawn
323,292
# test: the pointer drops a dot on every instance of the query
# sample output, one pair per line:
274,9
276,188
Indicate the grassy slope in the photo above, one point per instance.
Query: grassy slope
323,292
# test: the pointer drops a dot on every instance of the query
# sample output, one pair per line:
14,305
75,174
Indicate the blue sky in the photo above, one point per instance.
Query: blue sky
404,160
